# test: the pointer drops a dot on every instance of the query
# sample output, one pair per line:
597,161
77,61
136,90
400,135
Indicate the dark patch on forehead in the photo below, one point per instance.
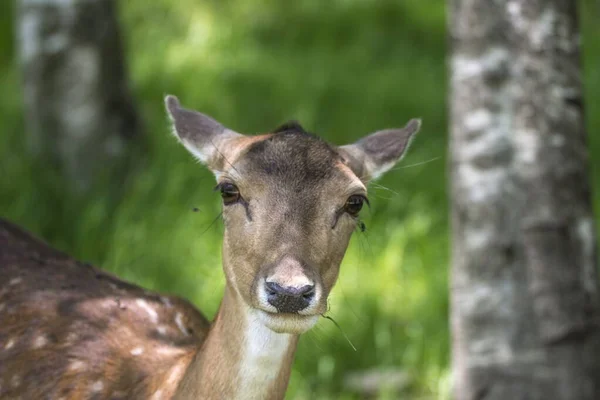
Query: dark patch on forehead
294,155
290,126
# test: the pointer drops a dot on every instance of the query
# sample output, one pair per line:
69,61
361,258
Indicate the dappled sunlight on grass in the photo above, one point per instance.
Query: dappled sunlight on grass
389,301
343,68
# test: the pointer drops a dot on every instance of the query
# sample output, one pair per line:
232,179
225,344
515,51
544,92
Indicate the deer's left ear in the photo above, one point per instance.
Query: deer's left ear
375,154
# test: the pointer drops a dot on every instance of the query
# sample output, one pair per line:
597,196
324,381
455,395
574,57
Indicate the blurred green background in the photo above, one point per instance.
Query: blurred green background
343,68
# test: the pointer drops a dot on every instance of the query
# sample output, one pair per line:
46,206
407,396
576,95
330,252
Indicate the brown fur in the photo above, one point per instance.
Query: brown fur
70,330
293,185
65,326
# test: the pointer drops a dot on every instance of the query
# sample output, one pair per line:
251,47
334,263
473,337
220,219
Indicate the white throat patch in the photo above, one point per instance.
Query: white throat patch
263,354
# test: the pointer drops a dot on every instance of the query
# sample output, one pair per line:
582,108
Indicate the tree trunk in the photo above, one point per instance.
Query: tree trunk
79,109
524,284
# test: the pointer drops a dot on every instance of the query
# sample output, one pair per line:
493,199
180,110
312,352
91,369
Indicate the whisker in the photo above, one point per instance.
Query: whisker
379,186
222,155
370,249
384,197
415,164
212,223
313,334
349,305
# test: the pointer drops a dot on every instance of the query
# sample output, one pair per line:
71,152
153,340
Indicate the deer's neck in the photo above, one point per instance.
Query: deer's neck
240,359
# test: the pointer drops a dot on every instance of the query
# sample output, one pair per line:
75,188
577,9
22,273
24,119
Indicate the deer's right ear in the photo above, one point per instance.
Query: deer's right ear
209,141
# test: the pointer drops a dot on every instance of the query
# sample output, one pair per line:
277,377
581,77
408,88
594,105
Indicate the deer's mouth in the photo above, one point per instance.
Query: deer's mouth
287,322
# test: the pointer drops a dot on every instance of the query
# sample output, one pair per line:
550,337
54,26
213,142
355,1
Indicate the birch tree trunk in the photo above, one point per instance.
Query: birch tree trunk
79,109
524,285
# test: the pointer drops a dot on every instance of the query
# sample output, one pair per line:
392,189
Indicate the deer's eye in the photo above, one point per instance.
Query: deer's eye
354,204
229,193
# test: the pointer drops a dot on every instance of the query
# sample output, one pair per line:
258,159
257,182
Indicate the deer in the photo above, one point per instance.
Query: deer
290,203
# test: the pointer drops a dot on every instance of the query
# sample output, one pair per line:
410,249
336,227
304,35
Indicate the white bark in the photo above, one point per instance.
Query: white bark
524,285
78,106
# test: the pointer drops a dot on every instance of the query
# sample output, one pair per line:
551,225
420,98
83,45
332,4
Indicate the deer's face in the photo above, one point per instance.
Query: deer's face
290,204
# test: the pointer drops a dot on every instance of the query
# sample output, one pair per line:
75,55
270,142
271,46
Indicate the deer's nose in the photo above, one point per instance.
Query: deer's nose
289,299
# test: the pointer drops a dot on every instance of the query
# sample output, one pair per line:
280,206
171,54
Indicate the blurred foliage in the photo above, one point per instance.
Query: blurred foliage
343,68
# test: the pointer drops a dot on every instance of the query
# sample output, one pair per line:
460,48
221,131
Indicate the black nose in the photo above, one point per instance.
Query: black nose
289,299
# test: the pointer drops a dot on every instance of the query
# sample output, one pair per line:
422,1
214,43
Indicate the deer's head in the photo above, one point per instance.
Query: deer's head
290,204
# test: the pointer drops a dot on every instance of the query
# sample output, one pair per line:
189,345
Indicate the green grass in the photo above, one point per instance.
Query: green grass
344,69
